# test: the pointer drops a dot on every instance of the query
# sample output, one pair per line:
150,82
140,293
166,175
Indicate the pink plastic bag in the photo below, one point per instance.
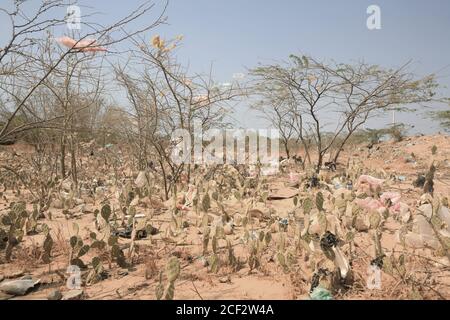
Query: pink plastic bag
371,181
87,45
394,197
370,204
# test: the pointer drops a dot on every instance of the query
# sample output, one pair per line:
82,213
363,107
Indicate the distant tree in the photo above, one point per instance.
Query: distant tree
350,94
443,117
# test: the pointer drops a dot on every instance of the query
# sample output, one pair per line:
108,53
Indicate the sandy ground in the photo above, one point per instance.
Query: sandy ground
401,161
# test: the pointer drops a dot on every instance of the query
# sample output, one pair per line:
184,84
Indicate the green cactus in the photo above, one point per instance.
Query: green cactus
47,246
172,273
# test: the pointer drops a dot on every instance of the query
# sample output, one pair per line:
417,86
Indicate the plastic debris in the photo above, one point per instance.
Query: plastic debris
371,181
370,204
18,287
73,295
141,179
87,45
390,198
320,293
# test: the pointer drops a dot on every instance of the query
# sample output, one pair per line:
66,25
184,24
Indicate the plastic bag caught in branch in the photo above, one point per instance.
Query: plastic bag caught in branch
87,45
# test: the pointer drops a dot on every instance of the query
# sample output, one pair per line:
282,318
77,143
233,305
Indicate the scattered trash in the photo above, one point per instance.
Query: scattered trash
320,293
316,278
87,45
390,198
369,181
329,244
378,261
370,204
228,228
284,193
141,180
73,295
225,279
54,295
402,212
283,224
420,181
140,234
313,182
410,160
18,287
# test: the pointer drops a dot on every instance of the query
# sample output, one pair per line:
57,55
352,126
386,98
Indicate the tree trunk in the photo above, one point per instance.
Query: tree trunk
319,162
286,149
74,164
341,147
63,157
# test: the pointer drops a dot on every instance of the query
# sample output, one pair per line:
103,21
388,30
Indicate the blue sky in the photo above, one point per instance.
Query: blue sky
232,35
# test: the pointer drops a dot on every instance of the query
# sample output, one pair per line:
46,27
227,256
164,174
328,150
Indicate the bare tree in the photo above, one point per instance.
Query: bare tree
164,97
17,59
348,95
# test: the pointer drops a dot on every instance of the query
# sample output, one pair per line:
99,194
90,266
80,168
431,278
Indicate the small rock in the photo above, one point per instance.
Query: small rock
228,229
57,204
122,273
225,279
66,185
18,287
202,262
78,201
73,295
141,179
361,224
54,295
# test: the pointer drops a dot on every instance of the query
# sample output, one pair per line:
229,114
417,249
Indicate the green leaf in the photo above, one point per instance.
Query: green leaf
159,292
78,262
84,249
206,202
268,238
214,244
307,206
170,291
374,219
116,252
48,244
319,201
46,258
98,244
73,241
173,269
112,240
95,262
281,259
214,263
106,212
